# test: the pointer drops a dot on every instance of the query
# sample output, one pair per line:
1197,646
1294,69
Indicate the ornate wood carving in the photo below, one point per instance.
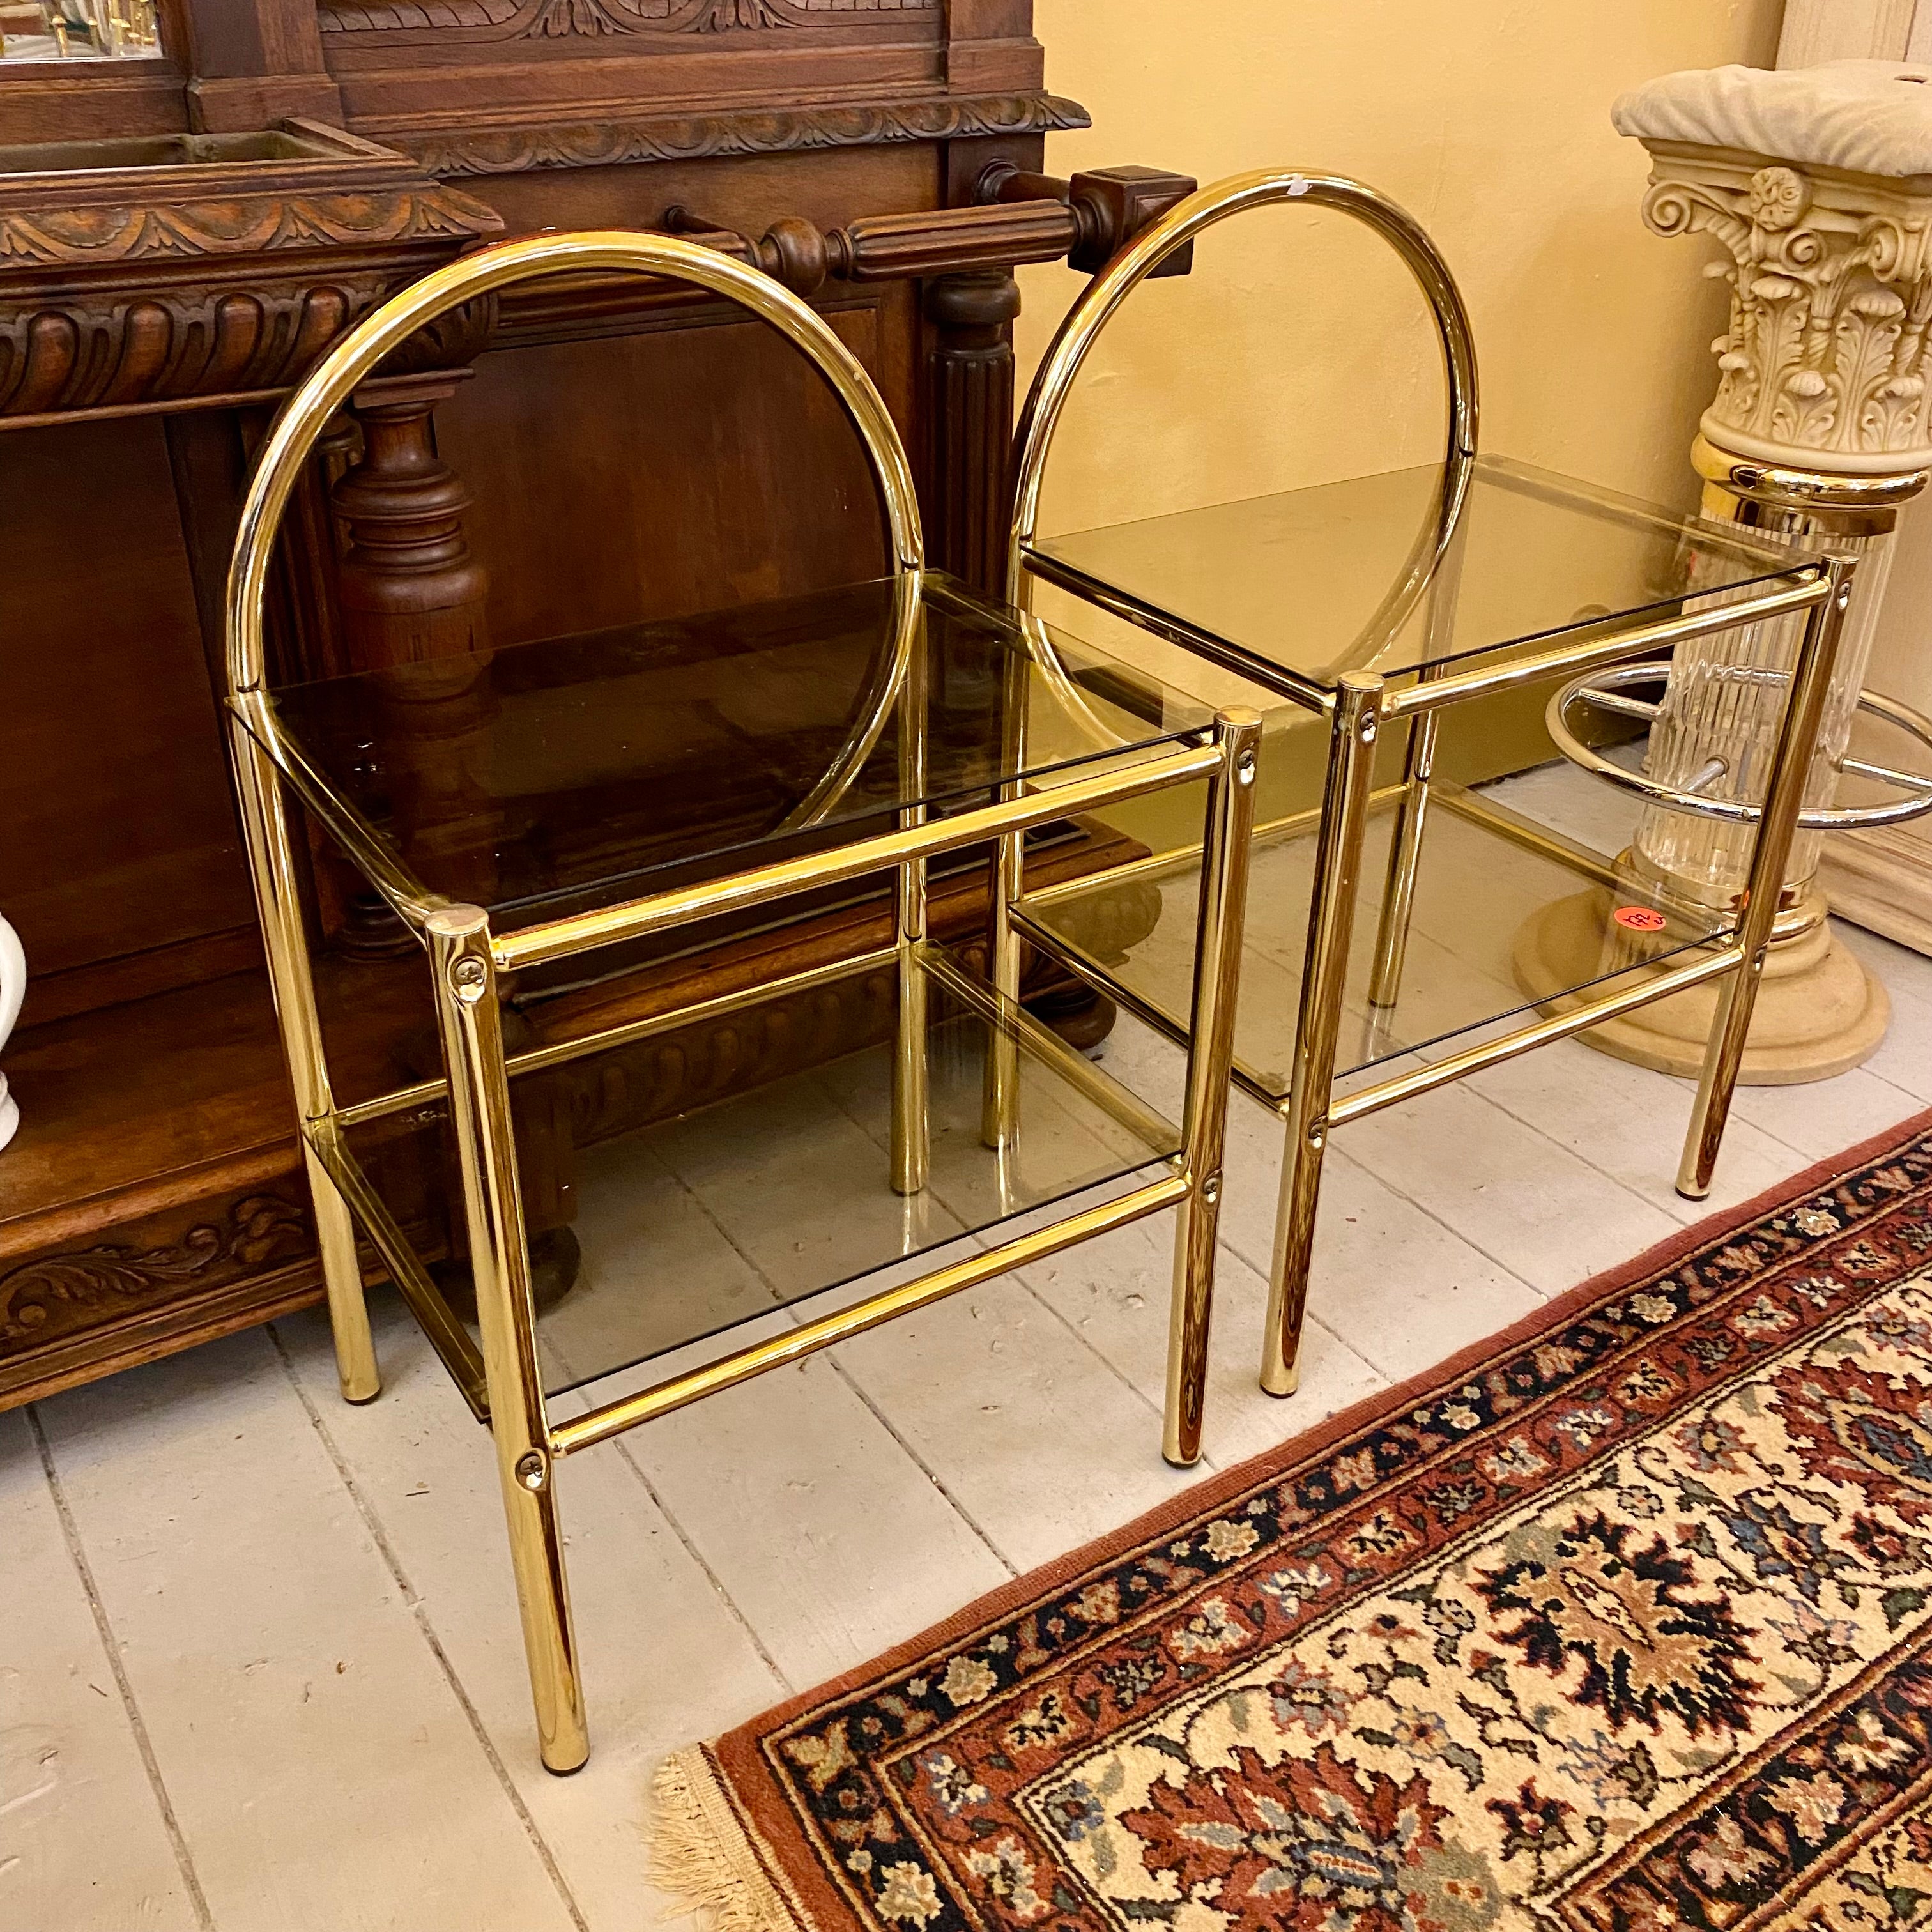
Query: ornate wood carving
450,153
108,348
247,225
525,19
214,269
56,1294
115,301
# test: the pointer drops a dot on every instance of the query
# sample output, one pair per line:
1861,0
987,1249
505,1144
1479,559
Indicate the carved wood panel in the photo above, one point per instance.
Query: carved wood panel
97,583
526,19
55,1296
668,471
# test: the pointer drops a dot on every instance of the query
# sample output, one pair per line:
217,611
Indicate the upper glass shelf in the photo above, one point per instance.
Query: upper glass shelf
1335,578
556,776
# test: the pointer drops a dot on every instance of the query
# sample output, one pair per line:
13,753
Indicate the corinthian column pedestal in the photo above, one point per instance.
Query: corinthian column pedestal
1817,184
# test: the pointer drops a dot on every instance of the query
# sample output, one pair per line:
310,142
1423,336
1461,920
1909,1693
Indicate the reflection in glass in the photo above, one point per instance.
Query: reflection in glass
42,30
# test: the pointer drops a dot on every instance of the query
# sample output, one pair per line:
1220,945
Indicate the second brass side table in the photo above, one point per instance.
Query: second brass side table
1450,601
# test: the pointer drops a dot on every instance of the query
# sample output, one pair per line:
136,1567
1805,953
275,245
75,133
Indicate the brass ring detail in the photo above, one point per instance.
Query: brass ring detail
1802,489
1824,818
306,415
1174,230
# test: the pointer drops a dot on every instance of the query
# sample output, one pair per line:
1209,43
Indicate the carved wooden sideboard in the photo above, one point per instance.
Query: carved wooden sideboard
180,236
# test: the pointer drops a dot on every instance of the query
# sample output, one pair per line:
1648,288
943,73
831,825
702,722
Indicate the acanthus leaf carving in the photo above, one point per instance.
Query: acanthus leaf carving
246,225
54,1294
518,150
560,20
716,16
1831,294
554,18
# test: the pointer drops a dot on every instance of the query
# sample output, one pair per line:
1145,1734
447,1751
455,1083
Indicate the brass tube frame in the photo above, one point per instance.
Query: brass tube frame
1361,703
562,939
1366,1100
1404,853
1177,858
470,1019
581,1431
467,963
448,1337
559,1053
1331,919
1179,226
1661,634
1044,1044
911,1121
265,832
1218,934
1784,797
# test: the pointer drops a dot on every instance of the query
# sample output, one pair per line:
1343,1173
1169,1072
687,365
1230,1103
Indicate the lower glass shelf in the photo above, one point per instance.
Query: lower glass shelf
733,1214
1521,904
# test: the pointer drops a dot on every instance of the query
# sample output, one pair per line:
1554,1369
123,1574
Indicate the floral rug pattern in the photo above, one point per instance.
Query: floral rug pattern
1624,1626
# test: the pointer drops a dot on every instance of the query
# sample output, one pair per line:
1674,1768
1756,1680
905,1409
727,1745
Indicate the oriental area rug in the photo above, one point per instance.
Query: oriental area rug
1621,1622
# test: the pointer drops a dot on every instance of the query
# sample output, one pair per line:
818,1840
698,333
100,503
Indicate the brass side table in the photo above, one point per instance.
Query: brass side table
1470,590
881,731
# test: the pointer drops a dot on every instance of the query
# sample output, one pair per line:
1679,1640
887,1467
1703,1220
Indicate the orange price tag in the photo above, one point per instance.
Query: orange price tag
1639,918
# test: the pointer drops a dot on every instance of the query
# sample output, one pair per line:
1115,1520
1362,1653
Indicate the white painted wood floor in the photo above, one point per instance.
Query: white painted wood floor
261,1669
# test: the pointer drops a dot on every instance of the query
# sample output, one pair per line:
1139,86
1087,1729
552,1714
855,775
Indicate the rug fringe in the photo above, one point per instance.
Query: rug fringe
699,1853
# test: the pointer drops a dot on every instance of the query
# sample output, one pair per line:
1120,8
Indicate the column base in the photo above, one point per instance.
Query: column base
1882,880
1819,1012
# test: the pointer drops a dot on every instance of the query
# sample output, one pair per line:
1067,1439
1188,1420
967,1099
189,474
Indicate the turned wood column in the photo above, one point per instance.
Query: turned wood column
412,604
970,444
409,590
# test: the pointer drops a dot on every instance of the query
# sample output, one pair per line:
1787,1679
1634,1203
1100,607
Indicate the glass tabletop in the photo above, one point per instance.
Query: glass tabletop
558,774
1336,577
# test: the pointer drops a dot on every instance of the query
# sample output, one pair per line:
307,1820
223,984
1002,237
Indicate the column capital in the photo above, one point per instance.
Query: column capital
1824,365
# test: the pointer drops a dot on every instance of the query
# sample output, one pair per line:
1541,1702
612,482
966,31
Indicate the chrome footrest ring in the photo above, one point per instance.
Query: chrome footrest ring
1604,689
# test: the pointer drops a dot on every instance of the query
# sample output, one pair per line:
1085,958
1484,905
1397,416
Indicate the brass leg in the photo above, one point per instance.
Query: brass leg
1784,796
1338,864
356,1371
265,830
912,1122
999,1118
1217,968
1404,856
912,1126
470,1022
1418,768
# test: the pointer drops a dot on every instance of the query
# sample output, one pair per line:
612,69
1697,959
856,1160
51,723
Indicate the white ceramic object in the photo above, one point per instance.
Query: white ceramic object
13,990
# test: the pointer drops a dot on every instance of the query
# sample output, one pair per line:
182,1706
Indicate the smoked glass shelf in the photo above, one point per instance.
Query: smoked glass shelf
741,1212
549,778
1499,866
1298,591
542,780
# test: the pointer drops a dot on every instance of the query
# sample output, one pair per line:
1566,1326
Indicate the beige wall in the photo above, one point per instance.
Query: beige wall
1298,352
